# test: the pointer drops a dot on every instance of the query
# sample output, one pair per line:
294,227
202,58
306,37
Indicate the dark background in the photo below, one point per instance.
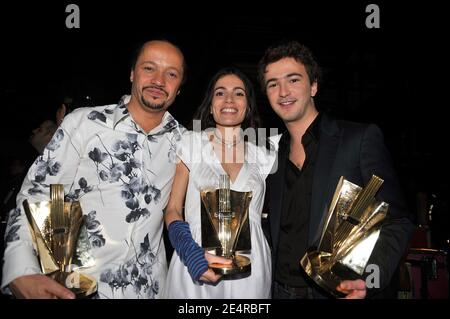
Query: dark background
395,76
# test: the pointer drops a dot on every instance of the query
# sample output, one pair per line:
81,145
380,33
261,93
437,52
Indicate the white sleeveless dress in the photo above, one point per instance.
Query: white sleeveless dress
197,153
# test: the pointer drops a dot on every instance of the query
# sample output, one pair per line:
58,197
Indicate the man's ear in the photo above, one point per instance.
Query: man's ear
178,93
314,88
131,76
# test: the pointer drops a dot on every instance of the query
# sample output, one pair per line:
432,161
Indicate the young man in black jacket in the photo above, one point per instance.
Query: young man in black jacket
313,154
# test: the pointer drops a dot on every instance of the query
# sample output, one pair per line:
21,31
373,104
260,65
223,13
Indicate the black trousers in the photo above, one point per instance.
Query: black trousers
283,291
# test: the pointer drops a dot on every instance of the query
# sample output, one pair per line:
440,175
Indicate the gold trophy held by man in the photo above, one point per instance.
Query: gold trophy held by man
55,228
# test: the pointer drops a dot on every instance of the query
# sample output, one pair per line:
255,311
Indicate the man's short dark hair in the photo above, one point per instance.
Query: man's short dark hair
289,49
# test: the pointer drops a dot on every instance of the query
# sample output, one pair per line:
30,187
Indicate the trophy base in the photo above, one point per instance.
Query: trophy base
240,265
82,285
328,276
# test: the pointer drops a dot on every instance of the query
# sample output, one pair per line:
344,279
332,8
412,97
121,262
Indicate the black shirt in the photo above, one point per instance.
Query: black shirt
295,213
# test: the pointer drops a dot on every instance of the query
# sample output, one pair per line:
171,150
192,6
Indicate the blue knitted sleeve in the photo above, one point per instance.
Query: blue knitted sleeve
191,254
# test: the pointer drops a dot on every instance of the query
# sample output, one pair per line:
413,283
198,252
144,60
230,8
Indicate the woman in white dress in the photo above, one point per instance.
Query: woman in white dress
227,110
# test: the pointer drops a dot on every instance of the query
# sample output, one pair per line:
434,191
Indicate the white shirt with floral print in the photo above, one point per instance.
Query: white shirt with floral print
122,177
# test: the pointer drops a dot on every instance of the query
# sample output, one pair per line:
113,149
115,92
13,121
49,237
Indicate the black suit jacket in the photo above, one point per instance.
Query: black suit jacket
355,151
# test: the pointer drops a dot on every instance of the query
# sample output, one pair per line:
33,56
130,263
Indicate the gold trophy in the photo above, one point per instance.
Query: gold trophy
55,228
225,226
351,230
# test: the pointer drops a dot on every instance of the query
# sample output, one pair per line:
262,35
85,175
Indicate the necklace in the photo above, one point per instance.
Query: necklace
227,144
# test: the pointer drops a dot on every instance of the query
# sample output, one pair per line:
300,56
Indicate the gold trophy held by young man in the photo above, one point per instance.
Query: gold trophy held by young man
351,230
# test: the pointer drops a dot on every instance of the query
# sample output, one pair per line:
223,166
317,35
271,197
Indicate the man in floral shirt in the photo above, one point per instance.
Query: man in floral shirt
118,161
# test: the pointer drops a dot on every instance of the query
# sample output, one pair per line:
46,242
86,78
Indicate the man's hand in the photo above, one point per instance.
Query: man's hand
210,275
354,289
39,287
